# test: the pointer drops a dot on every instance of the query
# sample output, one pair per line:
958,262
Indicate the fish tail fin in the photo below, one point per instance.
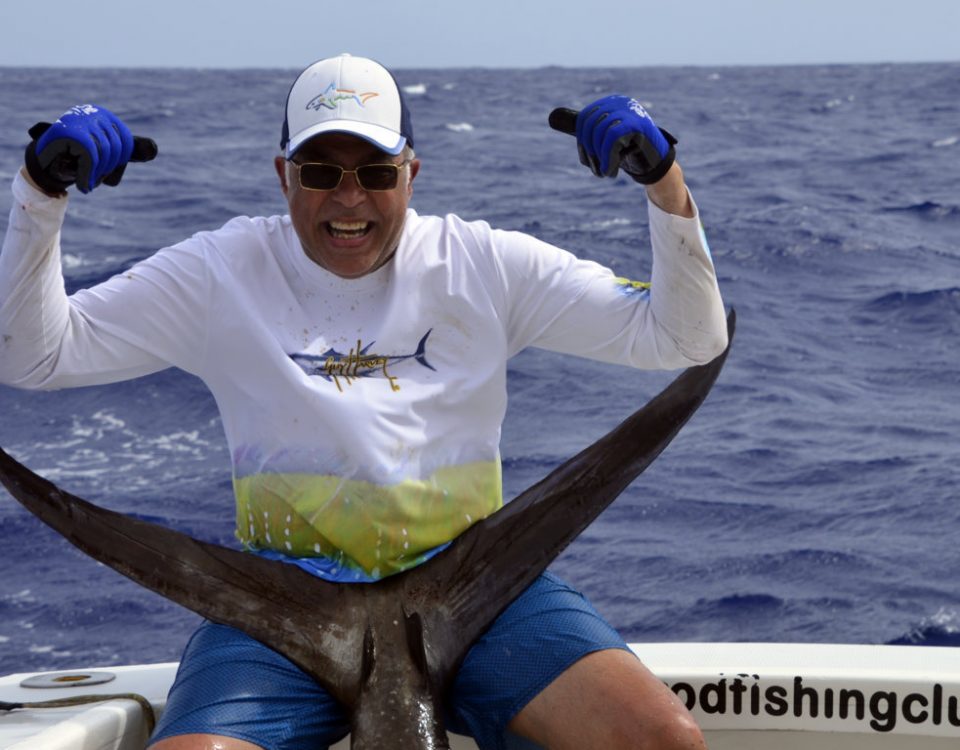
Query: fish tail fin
421,353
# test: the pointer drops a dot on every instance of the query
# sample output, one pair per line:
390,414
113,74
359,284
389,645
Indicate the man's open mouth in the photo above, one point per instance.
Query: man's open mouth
348,230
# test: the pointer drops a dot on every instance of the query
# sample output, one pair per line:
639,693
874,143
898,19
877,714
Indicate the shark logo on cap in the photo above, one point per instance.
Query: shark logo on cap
332,96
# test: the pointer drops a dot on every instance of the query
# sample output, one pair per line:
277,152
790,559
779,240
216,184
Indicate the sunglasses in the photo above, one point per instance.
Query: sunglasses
370,177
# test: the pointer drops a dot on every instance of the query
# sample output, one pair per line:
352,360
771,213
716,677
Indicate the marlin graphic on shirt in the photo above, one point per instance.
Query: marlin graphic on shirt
333,366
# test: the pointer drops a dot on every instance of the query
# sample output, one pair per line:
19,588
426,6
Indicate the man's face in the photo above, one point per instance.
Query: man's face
348,230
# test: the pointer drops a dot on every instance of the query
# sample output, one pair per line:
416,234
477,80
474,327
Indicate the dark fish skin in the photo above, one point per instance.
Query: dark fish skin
388,651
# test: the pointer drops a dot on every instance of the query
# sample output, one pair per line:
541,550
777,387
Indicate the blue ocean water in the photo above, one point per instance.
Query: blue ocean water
813,498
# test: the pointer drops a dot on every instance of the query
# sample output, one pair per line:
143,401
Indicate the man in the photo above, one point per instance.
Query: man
357,352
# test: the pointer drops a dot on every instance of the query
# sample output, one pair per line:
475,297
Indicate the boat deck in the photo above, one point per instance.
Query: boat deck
744,695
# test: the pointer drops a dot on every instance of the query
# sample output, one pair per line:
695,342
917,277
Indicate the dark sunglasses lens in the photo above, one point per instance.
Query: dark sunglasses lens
320,176
377,176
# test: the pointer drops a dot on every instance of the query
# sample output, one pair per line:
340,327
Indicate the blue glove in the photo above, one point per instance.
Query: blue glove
616,132
87,145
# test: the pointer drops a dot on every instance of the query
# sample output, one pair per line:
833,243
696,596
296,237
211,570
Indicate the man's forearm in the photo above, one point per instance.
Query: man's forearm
33,306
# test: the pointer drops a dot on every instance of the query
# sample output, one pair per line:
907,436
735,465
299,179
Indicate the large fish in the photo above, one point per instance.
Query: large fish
388,651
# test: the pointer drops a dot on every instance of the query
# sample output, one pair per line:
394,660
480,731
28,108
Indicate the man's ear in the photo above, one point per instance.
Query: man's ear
280,164
414,168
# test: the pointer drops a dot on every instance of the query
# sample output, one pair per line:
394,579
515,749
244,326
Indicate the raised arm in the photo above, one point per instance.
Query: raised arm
585,310
46,339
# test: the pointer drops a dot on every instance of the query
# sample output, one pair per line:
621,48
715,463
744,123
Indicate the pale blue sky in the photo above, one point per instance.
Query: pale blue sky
485,33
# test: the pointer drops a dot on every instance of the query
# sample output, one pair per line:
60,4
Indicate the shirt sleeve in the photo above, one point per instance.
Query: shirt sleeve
561,303
137,322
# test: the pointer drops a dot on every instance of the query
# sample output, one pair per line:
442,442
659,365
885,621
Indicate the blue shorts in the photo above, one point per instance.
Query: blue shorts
230,684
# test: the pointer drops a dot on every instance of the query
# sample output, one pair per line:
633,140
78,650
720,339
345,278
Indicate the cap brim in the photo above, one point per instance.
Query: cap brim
383,138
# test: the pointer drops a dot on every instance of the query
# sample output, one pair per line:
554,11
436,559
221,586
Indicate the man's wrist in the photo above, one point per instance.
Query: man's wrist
670,193
25,173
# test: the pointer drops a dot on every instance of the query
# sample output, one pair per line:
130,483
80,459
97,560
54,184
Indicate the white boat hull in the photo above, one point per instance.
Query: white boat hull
744,696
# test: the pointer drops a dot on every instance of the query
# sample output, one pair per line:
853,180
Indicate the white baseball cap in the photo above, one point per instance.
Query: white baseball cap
346,94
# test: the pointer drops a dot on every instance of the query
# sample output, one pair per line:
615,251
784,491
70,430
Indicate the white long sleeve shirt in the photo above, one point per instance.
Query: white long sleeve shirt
363,415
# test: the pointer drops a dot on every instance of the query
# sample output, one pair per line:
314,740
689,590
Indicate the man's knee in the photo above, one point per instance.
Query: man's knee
610,700
677,731
202,742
